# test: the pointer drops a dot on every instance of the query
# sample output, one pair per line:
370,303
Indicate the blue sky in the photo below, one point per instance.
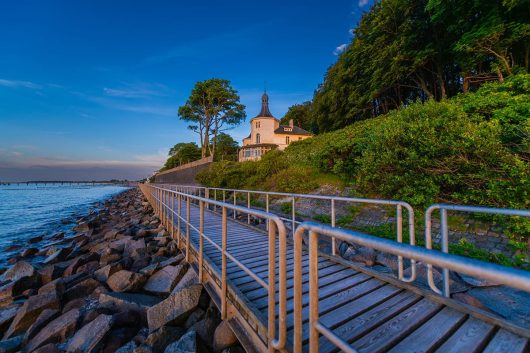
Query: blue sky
91,89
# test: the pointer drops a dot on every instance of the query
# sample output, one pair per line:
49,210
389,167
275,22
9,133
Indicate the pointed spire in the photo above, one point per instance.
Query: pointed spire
265,106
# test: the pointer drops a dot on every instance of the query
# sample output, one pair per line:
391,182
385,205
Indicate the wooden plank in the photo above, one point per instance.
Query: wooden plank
360,298
506,342
471,337
432,333
384,336
368,320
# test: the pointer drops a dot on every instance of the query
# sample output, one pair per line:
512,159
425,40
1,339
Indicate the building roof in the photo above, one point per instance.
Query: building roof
294,130
265,112
259,145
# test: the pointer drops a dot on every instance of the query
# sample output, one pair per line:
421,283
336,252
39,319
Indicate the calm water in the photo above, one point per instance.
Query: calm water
31,210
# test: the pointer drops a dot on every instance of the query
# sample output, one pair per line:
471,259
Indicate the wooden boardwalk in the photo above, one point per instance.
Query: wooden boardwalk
371,311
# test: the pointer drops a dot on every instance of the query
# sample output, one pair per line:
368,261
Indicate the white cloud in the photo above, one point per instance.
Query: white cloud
19,84
338,50
142,90
363,3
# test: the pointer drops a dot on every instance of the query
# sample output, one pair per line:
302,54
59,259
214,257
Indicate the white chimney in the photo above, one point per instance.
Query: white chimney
291,123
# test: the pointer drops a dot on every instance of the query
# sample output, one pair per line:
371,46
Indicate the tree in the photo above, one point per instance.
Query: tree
182,153
212,107
225,147
302,116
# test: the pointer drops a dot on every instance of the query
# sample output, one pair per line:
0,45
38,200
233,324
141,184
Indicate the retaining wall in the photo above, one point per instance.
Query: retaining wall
184,174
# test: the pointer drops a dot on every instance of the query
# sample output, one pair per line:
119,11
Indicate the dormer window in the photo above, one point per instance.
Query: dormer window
288,129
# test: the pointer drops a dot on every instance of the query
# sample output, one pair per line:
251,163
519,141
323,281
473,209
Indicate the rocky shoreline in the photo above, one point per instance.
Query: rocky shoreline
119,285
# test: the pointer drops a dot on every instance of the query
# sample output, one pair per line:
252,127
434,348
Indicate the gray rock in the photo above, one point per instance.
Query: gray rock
124,281
128,301
47,348
186,344
189,279
175,309
223,337
6,317
512,304
45,317
159,339
56,331
164,280
11,345
90,337
30,311
477,282
128,348
59,255
19,270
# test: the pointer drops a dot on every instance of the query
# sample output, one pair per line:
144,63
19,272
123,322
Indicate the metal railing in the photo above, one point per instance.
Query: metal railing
163,202
503,275
444,231
232,194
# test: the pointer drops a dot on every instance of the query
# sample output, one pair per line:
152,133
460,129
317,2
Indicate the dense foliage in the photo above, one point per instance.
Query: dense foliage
182,153
405,50
302,116
471,149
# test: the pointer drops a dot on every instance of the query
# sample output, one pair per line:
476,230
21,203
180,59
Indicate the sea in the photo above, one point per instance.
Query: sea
30,210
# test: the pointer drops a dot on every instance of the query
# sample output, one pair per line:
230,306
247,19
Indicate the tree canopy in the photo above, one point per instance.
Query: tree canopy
302,116
225,147
212,107
408,50
182,153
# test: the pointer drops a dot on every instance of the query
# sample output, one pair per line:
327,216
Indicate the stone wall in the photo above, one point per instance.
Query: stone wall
184,174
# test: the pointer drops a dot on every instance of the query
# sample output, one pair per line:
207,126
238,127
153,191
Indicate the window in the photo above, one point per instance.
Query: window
257,124
258,138
299,138
287,140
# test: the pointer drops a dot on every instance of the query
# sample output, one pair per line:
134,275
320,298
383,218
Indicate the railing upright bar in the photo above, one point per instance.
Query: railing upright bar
267,207
173,216
248,206
313,292
272,286
234,205
445,248
293,215
223,266
399,237
179,216
201,240
333,240
297,338
188,229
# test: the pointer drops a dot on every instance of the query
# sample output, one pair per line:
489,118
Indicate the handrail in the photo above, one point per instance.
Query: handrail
159,198
445,234
504,275
333,199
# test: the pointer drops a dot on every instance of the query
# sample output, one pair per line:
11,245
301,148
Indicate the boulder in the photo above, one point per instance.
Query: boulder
223,337
90,337
128,301
81,289
57,256
186,344
117,338
56,331
159,339
194,317
30,311
47,348
51,272
189,279
19,270
105,272
11,345
124,281
16,288
29,252
88,268
58,286
175,309
35,239
6,317
128,348
164,280
134,246
44,319
173,260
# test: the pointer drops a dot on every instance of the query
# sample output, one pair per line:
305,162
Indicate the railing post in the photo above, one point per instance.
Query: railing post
215,197
235,212
267,206
333,241
173,216
248,206
207,196
293,211
272,285
445,248
201,241
188,229
179,216
313,292
223,266
399,237
297,338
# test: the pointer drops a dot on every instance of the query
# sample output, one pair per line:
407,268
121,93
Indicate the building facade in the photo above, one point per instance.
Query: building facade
266,134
